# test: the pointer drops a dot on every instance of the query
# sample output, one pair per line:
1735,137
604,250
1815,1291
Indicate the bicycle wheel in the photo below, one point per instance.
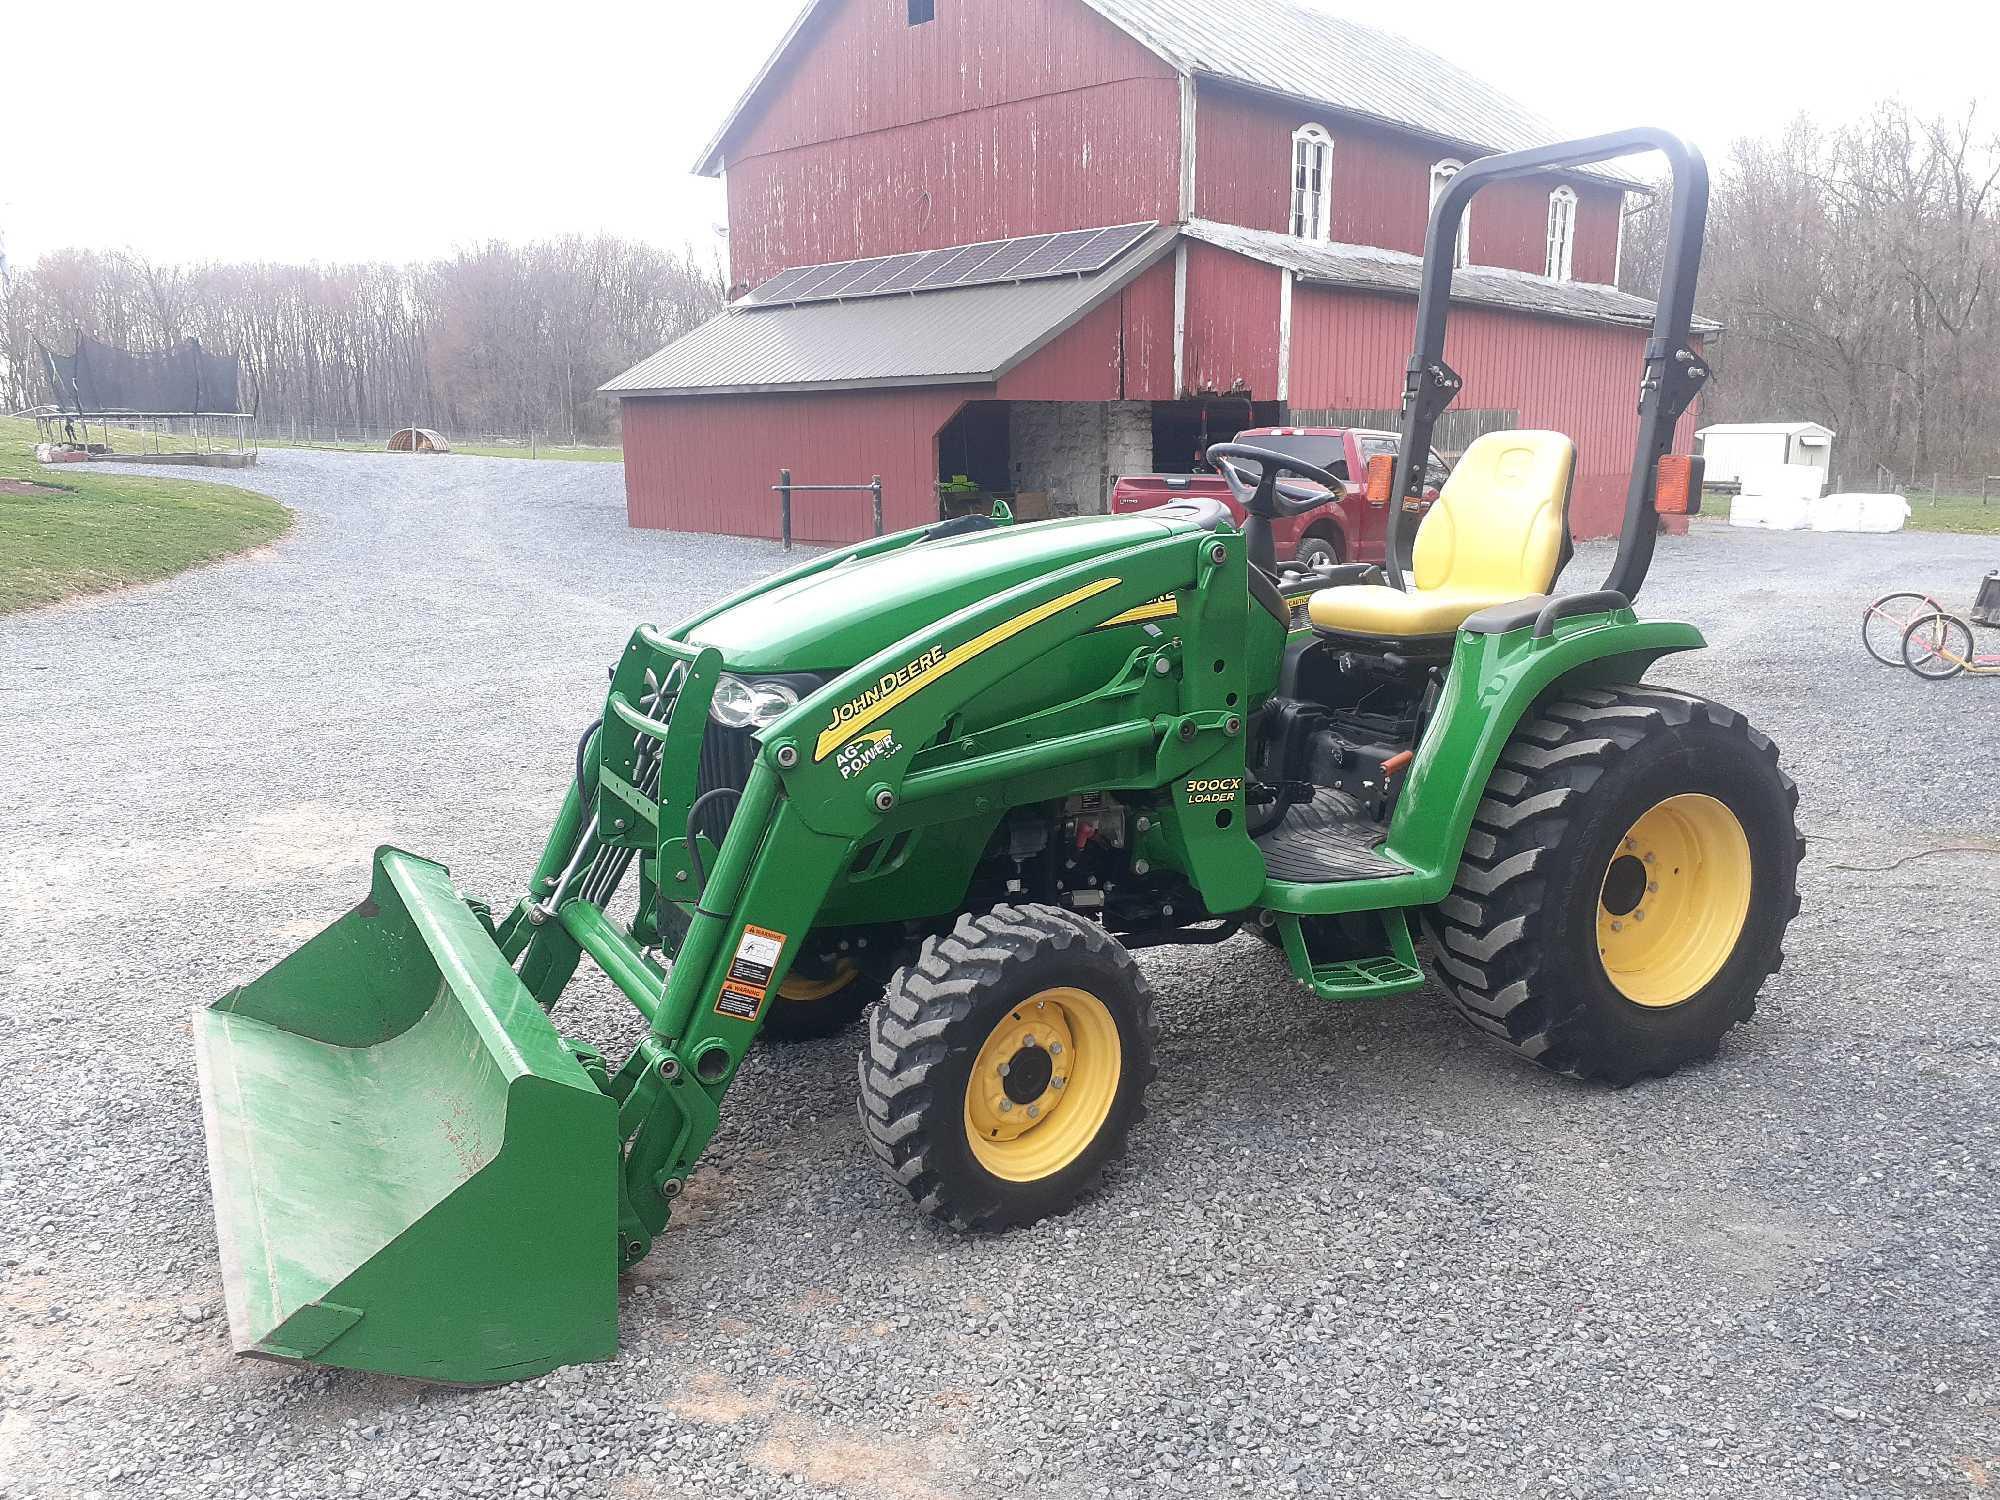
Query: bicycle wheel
1937,646
1885,622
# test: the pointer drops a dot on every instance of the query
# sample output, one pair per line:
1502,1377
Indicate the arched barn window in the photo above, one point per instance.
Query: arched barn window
1562,233
1312,183
1441,173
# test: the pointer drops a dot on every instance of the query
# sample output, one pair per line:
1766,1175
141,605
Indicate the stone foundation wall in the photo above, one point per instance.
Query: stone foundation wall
1074,451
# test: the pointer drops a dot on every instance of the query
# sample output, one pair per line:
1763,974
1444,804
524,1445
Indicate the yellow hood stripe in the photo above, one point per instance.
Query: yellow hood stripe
839,733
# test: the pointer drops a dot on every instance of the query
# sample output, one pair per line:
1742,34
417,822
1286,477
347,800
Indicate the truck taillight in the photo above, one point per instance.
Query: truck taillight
1677,491
1381,478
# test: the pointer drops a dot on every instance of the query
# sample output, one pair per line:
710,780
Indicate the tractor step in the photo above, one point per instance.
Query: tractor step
1393,973
1365,978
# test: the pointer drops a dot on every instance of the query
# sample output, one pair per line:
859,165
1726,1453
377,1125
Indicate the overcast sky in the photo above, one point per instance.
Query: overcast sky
363,130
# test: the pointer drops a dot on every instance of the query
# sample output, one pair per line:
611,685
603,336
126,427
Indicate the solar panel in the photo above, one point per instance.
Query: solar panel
880,271
919,267
774,290
845,278
1030,257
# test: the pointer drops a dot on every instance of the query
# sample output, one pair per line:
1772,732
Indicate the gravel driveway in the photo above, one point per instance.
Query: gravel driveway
1354,1252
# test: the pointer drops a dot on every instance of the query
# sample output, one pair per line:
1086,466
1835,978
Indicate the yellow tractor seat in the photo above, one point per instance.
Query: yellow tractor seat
1494,535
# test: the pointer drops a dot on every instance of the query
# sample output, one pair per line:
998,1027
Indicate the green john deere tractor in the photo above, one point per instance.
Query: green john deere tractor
958,774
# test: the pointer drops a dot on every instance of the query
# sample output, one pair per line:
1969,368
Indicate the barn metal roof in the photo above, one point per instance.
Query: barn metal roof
1284,48
950,336
1367,268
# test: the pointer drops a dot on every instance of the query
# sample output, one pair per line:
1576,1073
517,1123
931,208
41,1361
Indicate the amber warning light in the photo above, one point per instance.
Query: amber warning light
1678,492
1381,478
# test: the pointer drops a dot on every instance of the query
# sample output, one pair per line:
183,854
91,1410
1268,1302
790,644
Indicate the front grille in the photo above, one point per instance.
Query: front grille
726,757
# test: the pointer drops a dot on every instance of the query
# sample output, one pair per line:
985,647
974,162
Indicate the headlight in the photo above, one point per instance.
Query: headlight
750,705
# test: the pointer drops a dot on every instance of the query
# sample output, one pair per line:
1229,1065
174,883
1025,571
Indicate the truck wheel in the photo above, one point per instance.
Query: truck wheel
824,994
1314,550
1625,887
1006,1065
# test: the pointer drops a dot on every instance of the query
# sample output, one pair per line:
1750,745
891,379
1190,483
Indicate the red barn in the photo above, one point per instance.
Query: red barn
1042,243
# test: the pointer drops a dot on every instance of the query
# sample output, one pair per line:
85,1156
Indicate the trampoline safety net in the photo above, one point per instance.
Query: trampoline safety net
101,378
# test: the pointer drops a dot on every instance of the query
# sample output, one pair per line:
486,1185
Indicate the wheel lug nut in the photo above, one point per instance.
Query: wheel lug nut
1059,1082
1652,887
1033,1112
1617,926
1003,1070
1639,915
1029,1040
1006,1106
1055,1049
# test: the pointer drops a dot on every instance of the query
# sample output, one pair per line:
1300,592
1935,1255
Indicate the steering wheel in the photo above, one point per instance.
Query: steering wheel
1270,497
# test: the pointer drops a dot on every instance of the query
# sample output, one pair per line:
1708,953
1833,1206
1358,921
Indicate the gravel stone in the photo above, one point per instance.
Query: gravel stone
1354,1252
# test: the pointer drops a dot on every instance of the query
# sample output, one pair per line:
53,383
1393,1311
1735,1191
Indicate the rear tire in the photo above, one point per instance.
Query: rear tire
1541,943
1006,1065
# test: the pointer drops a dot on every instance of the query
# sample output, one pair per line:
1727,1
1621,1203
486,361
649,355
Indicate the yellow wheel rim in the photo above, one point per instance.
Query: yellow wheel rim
1042,1084
799,988
1673,900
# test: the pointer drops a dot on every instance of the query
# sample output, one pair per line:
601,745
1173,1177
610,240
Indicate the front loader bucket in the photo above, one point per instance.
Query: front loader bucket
412,1174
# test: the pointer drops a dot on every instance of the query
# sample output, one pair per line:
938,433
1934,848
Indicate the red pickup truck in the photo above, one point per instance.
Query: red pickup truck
1349,530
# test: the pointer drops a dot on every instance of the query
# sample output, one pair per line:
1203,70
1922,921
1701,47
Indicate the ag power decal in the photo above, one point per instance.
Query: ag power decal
906,681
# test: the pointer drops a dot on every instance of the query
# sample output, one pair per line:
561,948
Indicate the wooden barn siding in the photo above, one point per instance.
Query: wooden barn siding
706,463
1102,155
1381,187
1149,335
1232,324
992,120
863,68
1349,349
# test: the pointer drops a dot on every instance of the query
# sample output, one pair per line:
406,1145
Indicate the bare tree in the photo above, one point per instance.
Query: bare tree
500,337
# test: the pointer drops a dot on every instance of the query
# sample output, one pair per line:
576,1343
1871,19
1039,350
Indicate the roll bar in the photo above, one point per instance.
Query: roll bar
1672,374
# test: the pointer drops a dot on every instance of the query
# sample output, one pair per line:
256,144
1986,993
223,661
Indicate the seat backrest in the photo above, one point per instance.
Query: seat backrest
1500,523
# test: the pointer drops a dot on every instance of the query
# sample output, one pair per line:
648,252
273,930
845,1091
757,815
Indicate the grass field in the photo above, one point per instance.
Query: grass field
1956,513
478,450
89,530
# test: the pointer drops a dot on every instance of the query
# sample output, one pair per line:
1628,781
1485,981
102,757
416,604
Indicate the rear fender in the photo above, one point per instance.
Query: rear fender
1494,680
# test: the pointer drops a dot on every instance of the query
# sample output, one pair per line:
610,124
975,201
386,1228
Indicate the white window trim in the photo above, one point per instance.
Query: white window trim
1320,226
1442,172
1562,234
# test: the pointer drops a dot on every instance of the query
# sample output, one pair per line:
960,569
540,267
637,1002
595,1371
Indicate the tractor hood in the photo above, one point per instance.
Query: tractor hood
832,620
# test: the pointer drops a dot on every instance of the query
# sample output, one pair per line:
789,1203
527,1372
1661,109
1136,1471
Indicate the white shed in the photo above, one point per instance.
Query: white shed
1732,447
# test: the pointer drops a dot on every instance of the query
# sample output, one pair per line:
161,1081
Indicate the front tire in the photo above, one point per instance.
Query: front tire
1611,810
1006,1066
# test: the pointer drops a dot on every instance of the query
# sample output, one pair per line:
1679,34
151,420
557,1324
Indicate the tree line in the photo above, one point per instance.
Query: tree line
498,338
1855,270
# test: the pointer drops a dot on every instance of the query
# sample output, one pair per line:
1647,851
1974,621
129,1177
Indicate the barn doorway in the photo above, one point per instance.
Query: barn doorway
1183,430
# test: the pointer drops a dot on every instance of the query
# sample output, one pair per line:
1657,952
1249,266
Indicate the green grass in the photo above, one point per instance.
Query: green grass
102,530
584,454
1956,513
502,450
